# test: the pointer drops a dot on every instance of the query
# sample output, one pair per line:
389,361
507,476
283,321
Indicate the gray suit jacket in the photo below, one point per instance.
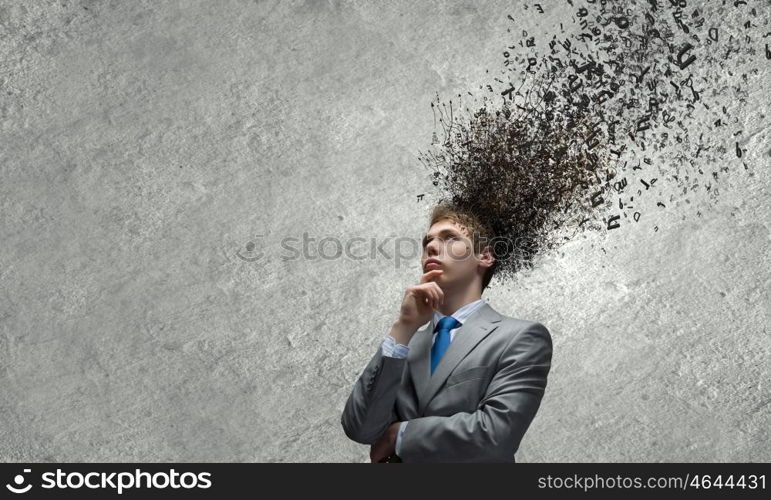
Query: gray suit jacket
475,407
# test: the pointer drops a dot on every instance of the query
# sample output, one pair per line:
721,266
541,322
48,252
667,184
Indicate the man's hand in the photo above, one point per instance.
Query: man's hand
385,446
418,305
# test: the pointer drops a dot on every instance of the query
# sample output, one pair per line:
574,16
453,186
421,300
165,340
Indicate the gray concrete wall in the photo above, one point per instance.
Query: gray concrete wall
154,155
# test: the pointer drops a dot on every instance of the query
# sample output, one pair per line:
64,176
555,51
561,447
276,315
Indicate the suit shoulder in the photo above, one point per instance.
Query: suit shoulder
520,323
517,326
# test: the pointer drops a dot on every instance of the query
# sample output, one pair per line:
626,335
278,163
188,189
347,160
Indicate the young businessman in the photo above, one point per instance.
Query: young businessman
464,388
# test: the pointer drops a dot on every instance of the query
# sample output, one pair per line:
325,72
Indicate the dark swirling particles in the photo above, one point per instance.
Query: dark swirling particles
624,103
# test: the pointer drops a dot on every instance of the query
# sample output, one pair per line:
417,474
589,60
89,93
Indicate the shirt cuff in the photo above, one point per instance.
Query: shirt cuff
398,447
392,349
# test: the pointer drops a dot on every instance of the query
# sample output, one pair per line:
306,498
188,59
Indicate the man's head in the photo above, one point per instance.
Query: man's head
463,246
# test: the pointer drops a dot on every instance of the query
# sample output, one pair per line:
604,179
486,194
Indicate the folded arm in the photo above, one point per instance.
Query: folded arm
492,432
370,407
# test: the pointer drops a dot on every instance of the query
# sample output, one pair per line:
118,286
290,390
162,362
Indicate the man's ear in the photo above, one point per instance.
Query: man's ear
486,258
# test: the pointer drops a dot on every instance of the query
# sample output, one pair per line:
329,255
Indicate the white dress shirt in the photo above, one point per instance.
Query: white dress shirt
394,350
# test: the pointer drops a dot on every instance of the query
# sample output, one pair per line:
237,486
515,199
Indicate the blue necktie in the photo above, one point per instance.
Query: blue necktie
442,341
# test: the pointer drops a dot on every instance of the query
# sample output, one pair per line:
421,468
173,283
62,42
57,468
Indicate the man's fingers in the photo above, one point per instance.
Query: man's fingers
436,292
428,293
434,297
421,293
439,291
431,275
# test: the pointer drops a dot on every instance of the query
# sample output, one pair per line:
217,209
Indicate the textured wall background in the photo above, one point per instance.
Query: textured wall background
155,154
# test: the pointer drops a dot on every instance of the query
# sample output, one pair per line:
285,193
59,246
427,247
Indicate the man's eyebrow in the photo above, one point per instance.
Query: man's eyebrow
443,231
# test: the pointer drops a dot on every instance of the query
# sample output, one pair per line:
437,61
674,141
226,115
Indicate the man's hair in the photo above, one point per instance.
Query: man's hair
476,230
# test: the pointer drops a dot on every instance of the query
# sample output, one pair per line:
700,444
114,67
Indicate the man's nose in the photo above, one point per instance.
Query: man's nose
433,248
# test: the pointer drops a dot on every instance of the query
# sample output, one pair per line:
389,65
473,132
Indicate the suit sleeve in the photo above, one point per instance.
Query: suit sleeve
370,407
493,432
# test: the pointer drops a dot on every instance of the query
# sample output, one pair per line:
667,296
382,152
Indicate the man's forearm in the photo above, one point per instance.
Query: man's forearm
486,435
370,407
393,349
402,333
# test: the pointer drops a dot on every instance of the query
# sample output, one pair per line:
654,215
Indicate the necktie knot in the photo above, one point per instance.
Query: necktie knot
447,323
442,340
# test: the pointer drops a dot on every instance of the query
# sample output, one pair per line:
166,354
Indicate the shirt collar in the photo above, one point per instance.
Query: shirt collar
461,314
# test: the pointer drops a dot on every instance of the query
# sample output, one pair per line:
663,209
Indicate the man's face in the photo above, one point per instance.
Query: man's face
448,243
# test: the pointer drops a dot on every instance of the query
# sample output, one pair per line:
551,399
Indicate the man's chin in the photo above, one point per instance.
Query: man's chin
444,282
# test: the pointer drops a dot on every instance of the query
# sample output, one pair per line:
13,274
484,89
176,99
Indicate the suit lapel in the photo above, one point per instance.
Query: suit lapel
419,359
476,327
